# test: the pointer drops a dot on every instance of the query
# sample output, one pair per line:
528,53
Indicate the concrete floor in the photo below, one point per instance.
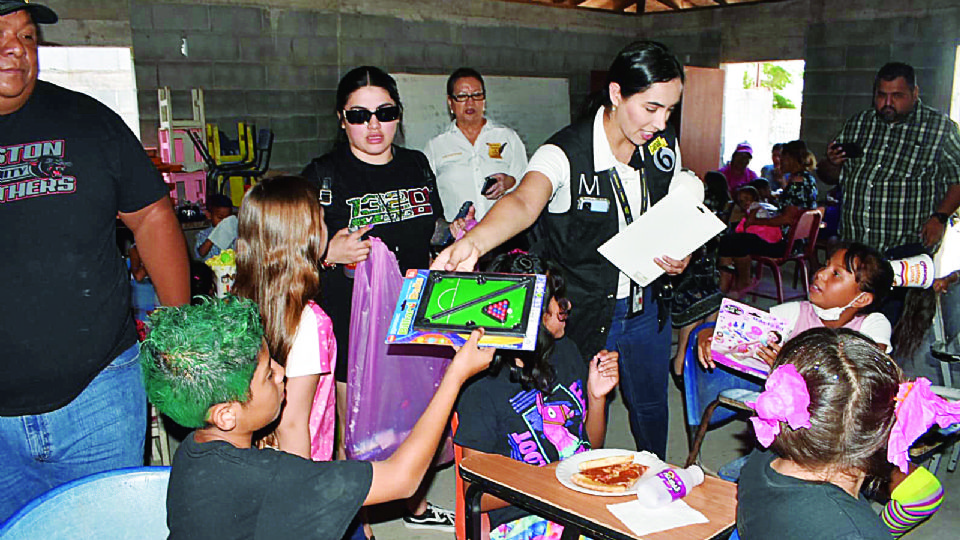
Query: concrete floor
720,446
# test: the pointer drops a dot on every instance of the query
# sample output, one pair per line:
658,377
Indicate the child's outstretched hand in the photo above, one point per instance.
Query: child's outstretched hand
470,359
768,353
704,340
604,373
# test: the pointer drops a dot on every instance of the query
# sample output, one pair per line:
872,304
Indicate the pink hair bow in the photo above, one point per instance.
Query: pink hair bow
784,399
918,408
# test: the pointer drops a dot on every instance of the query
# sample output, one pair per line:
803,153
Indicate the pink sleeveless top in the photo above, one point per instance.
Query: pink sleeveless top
808,319
323,412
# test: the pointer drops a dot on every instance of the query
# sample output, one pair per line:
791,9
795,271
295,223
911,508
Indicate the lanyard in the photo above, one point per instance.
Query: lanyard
622,194
636,291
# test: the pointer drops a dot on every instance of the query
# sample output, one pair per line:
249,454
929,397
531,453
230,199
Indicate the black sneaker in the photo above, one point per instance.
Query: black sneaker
433,518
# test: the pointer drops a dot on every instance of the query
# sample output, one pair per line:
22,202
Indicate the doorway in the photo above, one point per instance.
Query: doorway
761,105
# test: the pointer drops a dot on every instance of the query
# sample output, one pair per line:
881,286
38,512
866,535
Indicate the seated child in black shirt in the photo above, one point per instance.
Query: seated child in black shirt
834,411
538,406
207,367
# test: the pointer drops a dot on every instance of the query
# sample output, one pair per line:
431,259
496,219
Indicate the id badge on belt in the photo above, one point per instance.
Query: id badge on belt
636,299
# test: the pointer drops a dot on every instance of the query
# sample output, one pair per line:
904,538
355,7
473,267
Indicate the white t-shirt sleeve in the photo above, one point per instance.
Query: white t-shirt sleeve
678,166
876,327
518,164
789,313
304,357
550,161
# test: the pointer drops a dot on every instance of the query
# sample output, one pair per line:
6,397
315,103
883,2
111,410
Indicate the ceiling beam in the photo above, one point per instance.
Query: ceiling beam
622,5
672,4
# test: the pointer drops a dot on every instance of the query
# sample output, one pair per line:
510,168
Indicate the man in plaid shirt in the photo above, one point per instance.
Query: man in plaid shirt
901,191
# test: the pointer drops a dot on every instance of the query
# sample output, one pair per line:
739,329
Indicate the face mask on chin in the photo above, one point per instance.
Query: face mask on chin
832,314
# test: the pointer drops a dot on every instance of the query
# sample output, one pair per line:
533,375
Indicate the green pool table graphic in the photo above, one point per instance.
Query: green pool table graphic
442,308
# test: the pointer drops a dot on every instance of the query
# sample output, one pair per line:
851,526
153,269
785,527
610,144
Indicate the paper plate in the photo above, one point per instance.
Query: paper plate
571,465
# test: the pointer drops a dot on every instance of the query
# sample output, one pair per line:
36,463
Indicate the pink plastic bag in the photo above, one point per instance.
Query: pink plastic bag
388,386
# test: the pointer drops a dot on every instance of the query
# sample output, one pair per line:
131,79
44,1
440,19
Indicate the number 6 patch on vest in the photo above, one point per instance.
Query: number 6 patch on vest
664,158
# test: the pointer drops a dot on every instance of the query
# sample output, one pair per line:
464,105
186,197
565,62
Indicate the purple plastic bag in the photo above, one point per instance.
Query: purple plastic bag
388,386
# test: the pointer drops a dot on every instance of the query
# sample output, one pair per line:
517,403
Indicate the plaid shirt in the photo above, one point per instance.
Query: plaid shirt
905,171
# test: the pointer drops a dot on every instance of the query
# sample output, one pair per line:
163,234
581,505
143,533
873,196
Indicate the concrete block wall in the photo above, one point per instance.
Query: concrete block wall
843,56
279,67
89,22
277,62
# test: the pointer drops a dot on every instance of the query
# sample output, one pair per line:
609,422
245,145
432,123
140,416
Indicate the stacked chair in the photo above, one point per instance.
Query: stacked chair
249,168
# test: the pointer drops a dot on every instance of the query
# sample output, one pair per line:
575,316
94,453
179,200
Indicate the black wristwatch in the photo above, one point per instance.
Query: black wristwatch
941,217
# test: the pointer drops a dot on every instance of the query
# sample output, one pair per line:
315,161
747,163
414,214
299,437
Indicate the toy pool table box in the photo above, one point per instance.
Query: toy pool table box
442,308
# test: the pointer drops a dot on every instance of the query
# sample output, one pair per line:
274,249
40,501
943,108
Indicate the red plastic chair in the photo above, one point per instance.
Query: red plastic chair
806,228
460,519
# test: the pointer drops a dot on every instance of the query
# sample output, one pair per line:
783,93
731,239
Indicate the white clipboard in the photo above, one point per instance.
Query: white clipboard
675,226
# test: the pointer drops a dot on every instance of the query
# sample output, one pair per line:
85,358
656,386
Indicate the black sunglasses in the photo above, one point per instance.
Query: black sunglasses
387,113
565,307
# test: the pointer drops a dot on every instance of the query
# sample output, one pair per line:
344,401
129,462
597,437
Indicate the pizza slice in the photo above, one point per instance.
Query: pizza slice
614,474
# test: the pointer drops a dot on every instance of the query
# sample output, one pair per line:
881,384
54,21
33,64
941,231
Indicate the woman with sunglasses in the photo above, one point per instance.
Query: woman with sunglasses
475,159
571,187
539,406
368,184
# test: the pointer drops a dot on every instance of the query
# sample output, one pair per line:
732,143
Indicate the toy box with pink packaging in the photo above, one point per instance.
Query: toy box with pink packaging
740,332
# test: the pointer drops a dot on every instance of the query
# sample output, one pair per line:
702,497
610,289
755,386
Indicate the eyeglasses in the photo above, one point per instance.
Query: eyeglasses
565,307
476,96
387,113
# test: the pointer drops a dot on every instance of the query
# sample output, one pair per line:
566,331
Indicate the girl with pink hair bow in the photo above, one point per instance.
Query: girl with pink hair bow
836,413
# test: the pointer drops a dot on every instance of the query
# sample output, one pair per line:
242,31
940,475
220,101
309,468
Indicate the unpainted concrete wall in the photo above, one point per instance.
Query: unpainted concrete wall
279,67
277,62
89,22
845,48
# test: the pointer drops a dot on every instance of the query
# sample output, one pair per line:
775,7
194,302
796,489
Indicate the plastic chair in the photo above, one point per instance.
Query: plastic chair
217,172
460,517
805,229
704,391
123,503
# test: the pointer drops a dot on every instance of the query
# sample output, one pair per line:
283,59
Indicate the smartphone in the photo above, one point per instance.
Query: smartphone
446,238
487,184
464,209
851,149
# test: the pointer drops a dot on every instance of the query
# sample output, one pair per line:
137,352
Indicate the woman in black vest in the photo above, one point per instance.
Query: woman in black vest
572,178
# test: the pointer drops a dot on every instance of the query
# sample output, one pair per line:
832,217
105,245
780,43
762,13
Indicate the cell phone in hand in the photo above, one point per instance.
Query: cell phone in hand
464,210
851,149
446,237
488,184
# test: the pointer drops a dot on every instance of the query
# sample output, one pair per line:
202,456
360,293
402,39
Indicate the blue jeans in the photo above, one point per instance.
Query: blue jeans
644,371
101,429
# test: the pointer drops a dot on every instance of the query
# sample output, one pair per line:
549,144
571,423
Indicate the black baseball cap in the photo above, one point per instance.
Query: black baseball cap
40,14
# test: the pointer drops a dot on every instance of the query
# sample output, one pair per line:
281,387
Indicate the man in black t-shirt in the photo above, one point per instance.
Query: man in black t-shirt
208,367
71,399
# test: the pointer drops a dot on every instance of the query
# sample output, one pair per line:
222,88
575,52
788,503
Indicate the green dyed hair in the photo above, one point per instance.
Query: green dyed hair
198,356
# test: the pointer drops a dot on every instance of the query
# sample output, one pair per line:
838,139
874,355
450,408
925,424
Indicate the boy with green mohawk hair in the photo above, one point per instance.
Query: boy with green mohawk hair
207,367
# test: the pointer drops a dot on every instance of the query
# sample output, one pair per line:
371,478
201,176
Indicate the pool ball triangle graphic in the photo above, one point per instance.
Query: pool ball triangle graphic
497,310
